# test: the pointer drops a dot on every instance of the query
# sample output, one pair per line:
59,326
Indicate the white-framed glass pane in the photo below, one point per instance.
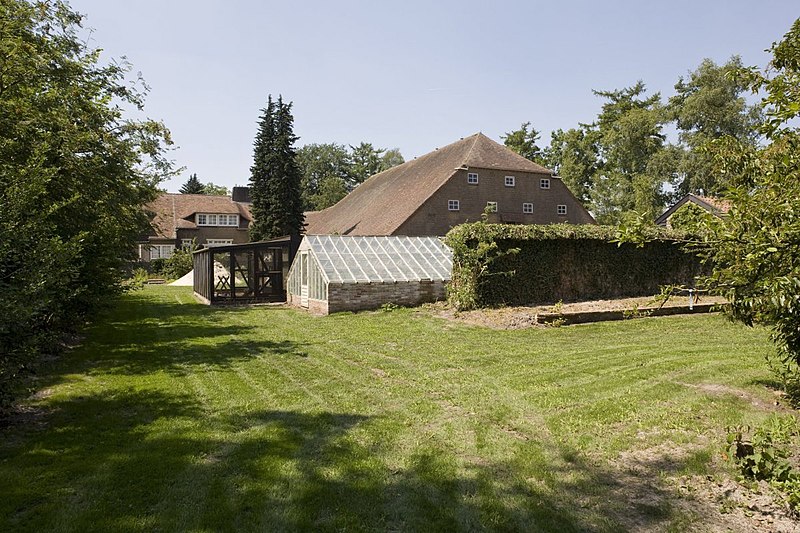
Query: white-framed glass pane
527,207
472,178
561,209
492,207
453,205
544,183
510,181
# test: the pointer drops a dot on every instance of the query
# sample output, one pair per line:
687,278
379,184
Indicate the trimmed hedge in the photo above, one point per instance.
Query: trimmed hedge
495,264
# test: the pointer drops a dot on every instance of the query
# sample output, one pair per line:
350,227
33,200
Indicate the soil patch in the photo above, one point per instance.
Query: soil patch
543,315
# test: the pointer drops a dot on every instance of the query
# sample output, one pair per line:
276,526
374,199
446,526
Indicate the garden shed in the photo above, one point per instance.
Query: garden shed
333,273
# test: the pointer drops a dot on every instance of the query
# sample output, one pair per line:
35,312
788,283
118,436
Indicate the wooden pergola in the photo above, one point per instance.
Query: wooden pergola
255,272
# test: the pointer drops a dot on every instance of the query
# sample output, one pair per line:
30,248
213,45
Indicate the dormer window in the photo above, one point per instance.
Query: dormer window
472,178
510,181
217,219
544,183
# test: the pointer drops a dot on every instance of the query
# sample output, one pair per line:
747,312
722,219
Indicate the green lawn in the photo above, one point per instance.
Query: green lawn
176,416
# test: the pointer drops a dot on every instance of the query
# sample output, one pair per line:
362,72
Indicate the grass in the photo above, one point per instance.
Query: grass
176,416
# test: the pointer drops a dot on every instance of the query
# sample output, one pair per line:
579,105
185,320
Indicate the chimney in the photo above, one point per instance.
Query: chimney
241,194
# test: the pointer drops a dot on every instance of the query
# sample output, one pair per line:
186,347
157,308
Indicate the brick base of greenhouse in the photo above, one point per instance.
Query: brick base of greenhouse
372,295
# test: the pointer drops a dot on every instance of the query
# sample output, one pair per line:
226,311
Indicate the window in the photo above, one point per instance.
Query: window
544,183
218,242
510,181
187,244
210,219
491,207
472,178
453,205
161,251
527,208
561,209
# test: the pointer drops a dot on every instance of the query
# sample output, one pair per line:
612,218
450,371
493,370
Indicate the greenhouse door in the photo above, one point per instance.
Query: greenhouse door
303,279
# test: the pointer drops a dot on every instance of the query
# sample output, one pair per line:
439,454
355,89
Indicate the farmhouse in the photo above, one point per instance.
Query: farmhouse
333,273
715,206
449,186
183,220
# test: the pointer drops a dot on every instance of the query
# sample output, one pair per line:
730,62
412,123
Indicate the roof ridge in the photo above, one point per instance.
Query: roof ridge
471,148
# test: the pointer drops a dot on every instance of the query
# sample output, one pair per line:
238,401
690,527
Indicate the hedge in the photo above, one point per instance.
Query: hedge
496,264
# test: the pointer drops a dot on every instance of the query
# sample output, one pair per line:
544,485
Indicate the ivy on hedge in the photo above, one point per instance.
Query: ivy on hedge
500,264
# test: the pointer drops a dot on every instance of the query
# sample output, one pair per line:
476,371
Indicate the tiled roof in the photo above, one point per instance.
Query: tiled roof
723,206
381,204
172,211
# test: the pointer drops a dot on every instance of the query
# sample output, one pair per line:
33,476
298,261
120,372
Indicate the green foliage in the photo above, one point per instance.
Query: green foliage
496,264
178,264
709,104
211,189
692,218
74,174
757,248
764,453
326,174
193,186
574,156
523,141
275,176
331,171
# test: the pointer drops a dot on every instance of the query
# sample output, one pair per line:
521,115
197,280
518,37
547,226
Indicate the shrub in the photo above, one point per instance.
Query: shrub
177,265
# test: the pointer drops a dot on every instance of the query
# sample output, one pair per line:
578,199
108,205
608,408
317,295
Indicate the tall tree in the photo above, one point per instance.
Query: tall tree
275,176
709,103
524,142
574,156
193,186
365,162
74,175
326,173
629,129
391,158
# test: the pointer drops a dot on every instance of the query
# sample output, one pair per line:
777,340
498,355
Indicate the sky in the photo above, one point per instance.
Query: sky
413,75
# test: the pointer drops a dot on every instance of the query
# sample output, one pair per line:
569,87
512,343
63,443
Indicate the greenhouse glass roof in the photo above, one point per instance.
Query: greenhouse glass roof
363,259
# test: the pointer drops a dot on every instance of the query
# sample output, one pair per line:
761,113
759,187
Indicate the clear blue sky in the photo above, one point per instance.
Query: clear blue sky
409,74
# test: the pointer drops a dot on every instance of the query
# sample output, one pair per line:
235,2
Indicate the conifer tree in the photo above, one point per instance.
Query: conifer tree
275,175
193,186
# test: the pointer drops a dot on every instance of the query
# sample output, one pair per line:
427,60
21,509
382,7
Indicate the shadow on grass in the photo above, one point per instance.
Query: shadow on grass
147,460
141,335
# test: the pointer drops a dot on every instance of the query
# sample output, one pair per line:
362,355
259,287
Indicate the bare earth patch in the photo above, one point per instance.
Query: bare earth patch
526,317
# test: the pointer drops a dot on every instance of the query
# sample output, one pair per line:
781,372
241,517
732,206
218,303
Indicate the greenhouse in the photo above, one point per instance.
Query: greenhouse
332,273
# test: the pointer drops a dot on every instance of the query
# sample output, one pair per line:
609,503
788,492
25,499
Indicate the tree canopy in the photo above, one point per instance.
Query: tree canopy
74,175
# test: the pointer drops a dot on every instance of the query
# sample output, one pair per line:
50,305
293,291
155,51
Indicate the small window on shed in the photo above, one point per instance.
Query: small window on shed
544,183
453,205
491,207
472,178
527,208
561,209
510,181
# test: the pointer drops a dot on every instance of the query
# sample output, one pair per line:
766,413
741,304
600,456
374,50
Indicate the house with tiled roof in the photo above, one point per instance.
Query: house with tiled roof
184,220
429,195
716,206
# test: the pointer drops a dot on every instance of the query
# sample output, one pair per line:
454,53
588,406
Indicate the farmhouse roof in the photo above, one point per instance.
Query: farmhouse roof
715,206
170,211
381,204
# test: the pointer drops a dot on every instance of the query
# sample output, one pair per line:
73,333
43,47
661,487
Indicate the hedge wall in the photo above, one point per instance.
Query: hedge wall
495,264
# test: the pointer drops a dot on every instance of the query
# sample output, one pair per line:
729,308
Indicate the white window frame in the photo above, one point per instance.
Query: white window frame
218,242
561,209
161,251
186,244
453,205
510,181
217,219
544,183
527,208
492,207
472,178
